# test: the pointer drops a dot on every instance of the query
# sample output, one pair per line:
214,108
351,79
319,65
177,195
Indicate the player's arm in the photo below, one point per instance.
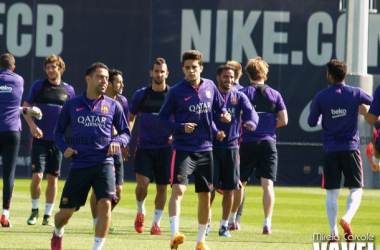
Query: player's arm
132,119
60,129
249,116
164,117
121,125
35,131
363,109
315,113
219,107
370,118
282,118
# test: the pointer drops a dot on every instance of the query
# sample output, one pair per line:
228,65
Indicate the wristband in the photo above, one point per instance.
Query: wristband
24,110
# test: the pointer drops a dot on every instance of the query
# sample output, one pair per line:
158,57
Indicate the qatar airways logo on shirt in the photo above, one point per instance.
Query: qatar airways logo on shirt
203,107
5,89
92,121
338,113
231,111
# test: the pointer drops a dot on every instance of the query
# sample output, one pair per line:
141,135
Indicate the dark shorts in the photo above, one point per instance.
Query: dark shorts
226,168
79,182
258,156
46,157
154,164
200,164
347,162
119,169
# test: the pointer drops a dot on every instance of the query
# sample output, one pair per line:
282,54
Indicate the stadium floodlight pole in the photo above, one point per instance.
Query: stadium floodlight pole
356,53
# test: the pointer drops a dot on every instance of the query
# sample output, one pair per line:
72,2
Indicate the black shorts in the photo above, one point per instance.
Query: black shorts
46,157
200,164
349,162
154,164
260,156
226,168
119,169
101,178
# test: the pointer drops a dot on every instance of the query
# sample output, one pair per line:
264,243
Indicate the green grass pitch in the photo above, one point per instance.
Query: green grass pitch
298,214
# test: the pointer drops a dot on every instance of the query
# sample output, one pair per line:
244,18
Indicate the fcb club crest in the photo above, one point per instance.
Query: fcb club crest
104,109
233,101
208,94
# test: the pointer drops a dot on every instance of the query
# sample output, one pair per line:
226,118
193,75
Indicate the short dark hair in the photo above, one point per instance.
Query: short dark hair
94,66
158,61
337,69
224,67
192,55
112,73
7,61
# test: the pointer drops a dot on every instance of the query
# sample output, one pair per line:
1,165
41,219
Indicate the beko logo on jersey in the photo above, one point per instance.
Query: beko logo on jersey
5,89
92,121
338,112
203,107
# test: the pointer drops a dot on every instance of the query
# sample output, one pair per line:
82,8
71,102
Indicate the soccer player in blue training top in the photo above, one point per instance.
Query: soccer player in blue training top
114,91
154,152
192,102
226,141
258,150
48,95
91,117
339,107
11,89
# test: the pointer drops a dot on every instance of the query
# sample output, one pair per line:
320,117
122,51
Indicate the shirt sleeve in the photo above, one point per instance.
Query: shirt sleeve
61,126
167,110
315,112
249,115
375,106
36,87
121,125
219,105
280,104
135,103
365,98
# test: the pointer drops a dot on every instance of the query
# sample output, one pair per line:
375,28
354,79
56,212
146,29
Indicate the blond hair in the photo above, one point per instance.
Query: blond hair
257,69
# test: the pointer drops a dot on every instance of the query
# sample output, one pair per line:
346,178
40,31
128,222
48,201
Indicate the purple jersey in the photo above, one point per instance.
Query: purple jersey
237,86
91,129
266,129
190,105
339,107
375,106
241,111
11,89
148,105
124,104
49,98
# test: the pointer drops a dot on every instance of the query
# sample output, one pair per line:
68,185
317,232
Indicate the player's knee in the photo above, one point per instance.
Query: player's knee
37,177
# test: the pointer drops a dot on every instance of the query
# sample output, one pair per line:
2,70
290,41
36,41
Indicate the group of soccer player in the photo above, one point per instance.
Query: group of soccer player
219,134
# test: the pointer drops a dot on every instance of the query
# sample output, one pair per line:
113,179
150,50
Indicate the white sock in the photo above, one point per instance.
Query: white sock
94,221
35,203
332,209
201,232
268,222
98,243
141,207
353,202
232,217
49,208
59,231
224,223
6,213
157,216
174,225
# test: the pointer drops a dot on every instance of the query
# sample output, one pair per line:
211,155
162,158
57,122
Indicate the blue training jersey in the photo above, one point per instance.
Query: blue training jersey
91,124
190,105
339,107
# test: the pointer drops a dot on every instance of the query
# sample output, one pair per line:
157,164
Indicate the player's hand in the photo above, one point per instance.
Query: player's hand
189,127
36,132
170,140
113,148
125,153
226,117
220,135
69,152
114,131
249,127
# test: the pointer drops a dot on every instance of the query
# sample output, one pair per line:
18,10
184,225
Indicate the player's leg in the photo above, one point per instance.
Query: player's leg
268,204
9,154
51,194
94,209
240,210
119,180
352,171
